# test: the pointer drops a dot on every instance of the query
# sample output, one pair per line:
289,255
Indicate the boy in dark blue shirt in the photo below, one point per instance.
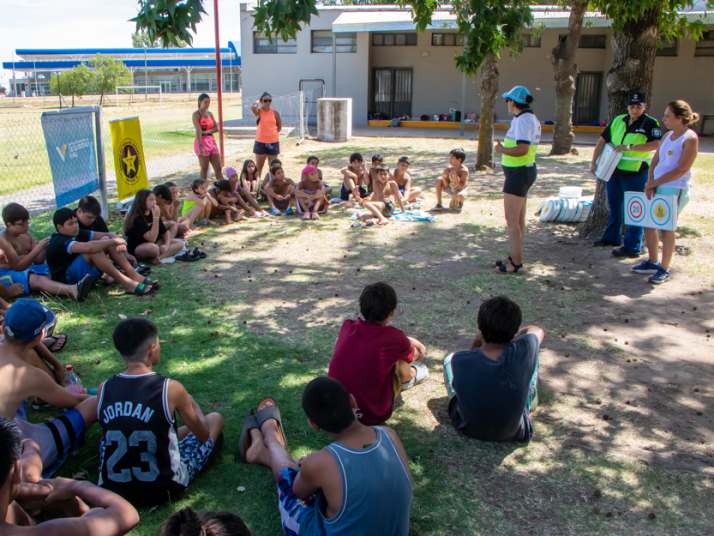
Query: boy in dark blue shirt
493,387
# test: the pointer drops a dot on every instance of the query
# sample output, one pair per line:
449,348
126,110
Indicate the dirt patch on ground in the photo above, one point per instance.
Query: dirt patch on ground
625,367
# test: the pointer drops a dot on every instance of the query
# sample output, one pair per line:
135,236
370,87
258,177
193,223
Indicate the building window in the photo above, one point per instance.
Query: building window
322,42
394,39
705,47
667,48
263,45
592,41
450,39
531,40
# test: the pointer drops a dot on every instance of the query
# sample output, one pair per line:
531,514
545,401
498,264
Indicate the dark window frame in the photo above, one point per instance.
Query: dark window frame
705,47
351,35
593,41
410,39
447,39
274,47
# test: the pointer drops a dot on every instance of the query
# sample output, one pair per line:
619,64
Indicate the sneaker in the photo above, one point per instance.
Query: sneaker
622,252
646,267
421,374
660,277
289,211
275,212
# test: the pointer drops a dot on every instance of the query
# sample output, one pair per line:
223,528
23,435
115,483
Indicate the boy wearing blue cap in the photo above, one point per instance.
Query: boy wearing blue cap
24,327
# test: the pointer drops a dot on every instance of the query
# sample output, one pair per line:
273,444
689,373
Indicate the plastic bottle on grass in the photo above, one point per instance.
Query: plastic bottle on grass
72,381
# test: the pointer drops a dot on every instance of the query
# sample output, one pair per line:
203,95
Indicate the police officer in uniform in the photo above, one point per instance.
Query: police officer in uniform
636,135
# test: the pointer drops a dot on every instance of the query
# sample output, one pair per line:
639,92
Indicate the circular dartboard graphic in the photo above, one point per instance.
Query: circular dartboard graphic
661,212
636,210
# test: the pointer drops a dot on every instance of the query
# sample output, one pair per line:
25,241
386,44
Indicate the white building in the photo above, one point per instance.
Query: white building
390,69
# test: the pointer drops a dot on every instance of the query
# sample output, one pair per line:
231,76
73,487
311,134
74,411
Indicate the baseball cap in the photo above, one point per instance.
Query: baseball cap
25,319
230,172
636,97
517,94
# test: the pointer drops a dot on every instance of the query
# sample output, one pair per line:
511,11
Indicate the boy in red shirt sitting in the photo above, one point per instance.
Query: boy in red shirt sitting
376,361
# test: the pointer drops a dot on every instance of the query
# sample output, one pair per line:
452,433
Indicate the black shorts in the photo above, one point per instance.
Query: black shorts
519,180
271,149
345,192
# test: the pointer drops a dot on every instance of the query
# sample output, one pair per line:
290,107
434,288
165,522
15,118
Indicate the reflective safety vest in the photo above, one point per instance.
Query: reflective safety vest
527,159
631,160
524,126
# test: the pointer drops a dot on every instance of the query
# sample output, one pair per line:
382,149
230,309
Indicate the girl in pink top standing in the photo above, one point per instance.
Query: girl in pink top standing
204,145
267,135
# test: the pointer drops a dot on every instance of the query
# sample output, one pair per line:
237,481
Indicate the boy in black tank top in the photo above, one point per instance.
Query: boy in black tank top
143,455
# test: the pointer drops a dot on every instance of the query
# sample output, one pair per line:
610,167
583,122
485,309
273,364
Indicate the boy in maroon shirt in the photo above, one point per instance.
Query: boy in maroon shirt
376,361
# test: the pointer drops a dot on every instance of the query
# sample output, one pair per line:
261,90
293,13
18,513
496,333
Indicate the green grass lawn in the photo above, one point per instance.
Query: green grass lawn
461,486
166,130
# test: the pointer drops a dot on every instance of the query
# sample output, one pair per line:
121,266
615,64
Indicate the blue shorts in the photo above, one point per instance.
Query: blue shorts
57,437
10,277
270,149
79,268
294,512
194,454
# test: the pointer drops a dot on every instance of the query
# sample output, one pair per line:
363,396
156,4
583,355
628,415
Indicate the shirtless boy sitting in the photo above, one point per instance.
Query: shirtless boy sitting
23,259
25,324
404,181
280,192
358,484
381,201
453,181
377,161
354,181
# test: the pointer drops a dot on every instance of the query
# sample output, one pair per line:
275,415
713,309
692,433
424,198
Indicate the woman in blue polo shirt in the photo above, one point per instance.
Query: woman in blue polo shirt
518,153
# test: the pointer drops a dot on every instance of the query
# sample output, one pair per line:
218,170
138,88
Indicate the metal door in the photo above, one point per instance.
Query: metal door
586,108
392,92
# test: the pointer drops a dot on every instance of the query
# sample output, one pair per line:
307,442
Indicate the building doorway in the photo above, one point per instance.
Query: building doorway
587,98
312,89
391,92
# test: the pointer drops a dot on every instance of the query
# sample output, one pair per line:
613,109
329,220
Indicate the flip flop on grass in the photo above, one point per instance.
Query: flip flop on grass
84,286
244,443
268,413
55,343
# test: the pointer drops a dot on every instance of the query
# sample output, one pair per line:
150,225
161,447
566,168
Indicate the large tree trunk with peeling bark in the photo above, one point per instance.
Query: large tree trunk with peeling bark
633,56
489,92
565,72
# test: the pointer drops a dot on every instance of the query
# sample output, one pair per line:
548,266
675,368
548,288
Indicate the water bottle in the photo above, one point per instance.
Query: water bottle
72,381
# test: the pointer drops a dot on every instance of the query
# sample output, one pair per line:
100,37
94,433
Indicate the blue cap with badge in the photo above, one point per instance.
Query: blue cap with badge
636,97
518,94
25,319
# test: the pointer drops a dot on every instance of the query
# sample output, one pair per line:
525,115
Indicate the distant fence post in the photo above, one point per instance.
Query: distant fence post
101,163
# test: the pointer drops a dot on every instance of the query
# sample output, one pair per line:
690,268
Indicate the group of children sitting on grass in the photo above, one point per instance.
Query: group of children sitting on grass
376,190
359,483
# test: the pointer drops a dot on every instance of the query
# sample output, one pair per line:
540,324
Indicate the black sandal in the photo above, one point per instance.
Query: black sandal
503,267
244,443
55,343
268,413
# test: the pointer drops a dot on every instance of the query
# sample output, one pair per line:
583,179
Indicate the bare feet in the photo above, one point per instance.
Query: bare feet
382,222
306,216
315,216
256,453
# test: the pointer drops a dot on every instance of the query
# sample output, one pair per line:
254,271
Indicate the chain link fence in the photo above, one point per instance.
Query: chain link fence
25,175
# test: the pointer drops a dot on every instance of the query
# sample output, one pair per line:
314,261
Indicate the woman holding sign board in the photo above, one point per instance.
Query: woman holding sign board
635,135
669,175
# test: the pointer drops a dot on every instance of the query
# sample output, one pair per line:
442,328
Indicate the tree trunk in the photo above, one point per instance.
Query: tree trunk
489,91
565,71
633,56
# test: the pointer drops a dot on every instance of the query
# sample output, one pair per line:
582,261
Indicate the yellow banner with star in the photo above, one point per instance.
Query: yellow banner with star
129,160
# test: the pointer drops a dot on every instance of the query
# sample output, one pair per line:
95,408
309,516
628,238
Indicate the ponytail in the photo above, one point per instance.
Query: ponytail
683,111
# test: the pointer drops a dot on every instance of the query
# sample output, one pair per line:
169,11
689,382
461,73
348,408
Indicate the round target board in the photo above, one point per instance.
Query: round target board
661,212
636,209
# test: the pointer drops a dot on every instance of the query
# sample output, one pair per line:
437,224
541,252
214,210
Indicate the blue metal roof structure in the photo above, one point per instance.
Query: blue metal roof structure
229,57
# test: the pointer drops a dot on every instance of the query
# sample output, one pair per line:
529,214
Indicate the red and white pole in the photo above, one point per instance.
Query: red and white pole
219,77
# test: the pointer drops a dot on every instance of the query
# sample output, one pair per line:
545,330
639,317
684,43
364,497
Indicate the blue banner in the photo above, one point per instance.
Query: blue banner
69,136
